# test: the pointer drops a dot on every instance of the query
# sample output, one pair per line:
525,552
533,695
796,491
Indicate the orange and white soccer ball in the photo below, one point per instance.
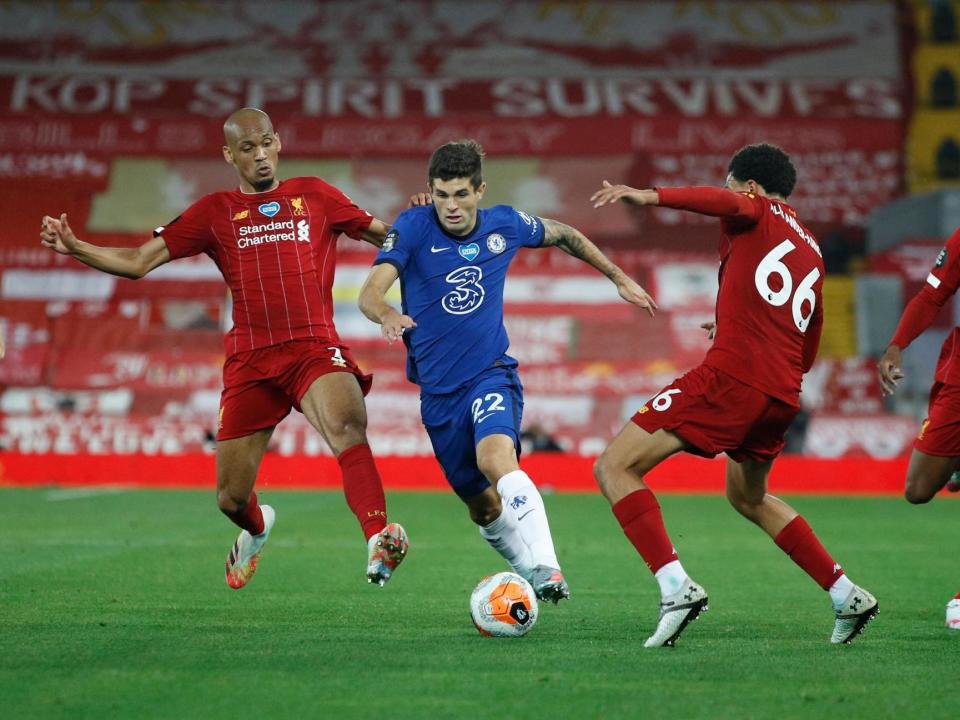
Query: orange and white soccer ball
503,605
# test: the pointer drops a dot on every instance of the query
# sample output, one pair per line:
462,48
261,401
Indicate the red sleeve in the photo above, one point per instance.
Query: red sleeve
942,283
344,215
189,233
917,317
716,202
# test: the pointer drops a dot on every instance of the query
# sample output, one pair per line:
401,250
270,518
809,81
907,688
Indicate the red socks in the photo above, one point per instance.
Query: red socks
249,517
639,515
798,541
363,488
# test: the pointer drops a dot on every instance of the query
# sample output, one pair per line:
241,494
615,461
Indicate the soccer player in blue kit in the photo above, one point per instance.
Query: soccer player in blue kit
451,258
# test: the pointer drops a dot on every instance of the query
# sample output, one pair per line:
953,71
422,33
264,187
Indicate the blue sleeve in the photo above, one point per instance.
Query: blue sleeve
529,229
399,244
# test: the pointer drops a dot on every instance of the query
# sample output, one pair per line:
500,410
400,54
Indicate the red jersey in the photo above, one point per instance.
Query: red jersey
942,282
276,251
769,310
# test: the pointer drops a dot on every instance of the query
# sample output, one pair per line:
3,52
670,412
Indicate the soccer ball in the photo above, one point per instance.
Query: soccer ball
503,605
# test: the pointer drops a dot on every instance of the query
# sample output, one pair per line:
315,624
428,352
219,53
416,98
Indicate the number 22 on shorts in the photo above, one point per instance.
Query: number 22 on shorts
480,413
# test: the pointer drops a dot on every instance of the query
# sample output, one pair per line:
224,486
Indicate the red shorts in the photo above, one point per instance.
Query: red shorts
260,386
714,413
940,432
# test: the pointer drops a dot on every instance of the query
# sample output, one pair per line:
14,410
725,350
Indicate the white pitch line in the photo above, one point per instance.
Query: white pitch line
85,492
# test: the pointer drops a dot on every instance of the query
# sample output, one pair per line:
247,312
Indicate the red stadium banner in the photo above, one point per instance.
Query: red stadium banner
449,38
58,97
26,330
553,472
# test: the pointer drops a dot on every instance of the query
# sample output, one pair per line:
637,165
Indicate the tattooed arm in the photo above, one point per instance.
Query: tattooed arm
575,243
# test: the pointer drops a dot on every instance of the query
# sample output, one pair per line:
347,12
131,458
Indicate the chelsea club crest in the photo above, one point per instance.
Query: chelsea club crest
496,244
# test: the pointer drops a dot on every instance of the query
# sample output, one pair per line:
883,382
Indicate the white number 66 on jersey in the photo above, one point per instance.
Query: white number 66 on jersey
771,265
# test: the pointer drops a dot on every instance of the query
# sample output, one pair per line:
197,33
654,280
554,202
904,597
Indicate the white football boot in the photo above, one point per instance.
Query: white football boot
857,610
245,553
385,551
676,612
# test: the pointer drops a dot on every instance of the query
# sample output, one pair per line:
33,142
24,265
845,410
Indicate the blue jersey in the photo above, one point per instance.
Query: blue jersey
452,287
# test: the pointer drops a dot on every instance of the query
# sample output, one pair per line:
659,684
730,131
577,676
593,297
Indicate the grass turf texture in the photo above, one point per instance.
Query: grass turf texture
115,606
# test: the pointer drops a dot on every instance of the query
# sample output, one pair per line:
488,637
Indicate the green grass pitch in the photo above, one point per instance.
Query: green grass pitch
114,606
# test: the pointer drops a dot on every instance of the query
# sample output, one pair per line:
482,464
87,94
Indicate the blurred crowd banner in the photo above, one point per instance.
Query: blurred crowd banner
112,111
677,85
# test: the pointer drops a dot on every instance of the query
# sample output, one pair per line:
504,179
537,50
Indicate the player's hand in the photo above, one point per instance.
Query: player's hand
636,295
393,325
58,235
888,370
711,328
418,199
611,193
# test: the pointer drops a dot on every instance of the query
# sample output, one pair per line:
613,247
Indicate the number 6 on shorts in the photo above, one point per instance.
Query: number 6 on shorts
664,400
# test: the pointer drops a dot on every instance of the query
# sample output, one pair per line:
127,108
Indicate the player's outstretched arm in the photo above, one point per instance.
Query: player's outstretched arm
575,243
611,193
373,303
376,232
57,235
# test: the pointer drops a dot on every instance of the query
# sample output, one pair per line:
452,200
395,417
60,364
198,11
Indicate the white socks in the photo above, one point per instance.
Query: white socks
504,537
522,500
839,591
670,578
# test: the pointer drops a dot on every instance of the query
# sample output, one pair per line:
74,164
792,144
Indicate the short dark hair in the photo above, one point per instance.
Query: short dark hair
767,165
463,158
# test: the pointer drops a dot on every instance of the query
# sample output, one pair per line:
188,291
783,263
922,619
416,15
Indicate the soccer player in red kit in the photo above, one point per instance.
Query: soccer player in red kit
745,394
936,451
275,244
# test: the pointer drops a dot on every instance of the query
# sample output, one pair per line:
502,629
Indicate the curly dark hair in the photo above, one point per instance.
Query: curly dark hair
463,158
766,165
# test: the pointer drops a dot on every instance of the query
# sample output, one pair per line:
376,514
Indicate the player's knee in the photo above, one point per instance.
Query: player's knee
230,502
743,503
495,467
917,492
346,435
603,469
746,506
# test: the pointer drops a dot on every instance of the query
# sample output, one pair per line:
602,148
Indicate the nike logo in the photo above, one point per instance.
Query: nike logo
525,514
436,249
